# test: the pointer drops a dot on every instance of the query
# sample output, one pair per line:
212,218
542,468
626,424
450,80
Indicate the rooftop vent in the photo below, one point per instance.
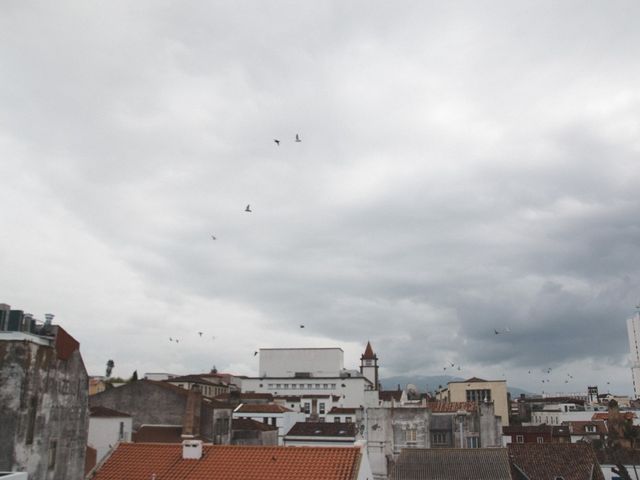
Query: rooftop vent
48,317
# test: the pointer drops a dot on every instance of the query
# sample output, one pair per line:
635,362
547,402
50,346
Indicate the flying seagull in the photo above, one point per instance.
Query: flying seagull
200,333
248,209
255,353
301,326
213,237
496,331
276,141
298,138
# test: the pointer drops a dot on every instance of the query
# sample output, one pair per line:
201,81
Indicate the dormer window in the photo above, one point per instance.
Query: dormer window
590,428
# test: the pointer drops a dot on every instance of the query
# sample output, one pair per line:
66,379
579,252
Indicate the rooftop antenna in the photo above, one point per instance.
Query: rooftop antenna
48,318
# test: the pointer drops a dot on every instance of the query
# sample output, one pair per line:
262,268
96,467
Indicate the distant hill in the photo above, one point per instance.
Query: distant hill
431,383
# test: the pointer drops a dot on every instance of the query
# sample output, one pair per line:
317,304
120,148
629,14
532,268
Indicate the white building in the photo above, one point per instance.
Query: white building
106,428
270,414
316,371
633,330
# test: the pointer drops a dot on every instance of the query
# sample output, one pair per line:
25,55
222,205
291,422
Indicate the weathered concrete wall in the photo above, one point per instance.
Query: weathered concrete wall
152,404
43,411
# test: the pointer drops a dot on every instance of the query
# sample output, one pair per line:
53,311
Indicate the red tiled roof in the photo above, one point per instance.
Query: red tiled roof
140,461
342,411
579,427
248,424
605,415
544,461
368,353
322,429
261,408
99,411
451,407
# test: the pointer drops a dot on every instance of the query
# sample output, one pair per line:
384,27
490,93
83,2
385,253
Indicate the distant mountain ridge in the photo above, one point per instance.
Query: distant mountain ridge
431,383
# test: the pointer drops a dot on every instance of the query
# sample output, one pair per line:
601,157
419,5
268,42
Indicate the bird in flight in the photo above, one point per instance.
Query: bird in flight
301,326
213,237
170,339
255,353
200,333
496,331
248,209
453,364
298,138
277,142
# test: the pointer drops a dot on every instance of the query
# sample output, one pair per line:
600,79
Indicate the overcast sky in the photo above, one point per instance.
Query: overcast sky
464,167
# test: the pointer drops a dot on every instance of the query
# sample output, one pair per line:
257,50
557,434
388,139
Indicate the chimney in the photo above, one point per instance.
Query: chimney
48,317
191,421
191,449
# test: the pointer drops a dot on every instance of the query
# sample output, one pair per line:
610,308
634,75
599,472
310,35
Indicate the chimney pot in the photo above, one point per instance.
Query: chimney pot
192,449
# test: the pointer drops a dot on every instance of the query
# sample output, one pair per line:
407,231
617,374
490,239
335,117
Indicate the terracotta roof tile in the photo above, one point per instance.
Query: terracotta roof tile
542,461
261,408
605,415
140,461
579,427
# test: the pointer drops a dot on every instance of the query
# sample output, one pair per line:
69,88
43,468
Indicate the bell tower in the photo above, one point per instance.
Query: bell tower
369,365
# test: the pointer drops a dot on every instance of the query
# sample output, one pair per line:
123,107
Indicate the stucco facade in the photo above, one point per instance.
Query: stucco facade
474,390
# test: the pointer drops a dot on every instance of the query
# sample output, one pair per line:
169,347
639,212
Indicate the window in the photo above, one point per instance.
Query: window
121,432
286,385
322,410
325,386
307,407
53,447
439,438
333,385
294,385
317,386
278,385
590,428
519,439
265,420
410,435
347,419
540,439
273,421
270,385
368,363
336,420
479,395
472,442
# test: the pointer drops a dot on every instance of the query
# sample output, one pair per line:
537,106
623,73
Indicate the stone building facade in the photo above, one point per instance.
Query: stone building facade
44,400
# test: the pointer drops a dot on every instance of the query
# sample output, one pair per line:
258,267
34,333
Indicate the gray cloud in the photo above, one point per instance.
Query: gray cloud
463,168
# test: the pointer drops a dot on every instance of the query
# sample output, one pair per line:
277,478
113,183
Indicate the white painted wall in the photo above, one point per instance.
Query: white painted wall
284,362
352,395
104,433
556,418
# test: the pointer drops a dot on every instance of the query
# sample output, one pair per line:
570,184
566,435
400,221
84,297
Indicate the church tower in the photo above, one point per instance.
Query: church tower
369,365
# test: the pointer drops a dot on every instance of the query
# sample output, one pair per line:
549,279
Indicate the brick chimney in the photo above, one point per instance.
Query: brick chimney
191,420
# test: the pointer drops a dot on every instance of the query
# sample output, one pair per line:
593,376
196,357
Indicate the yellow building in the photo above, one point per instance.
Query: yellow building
478,390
